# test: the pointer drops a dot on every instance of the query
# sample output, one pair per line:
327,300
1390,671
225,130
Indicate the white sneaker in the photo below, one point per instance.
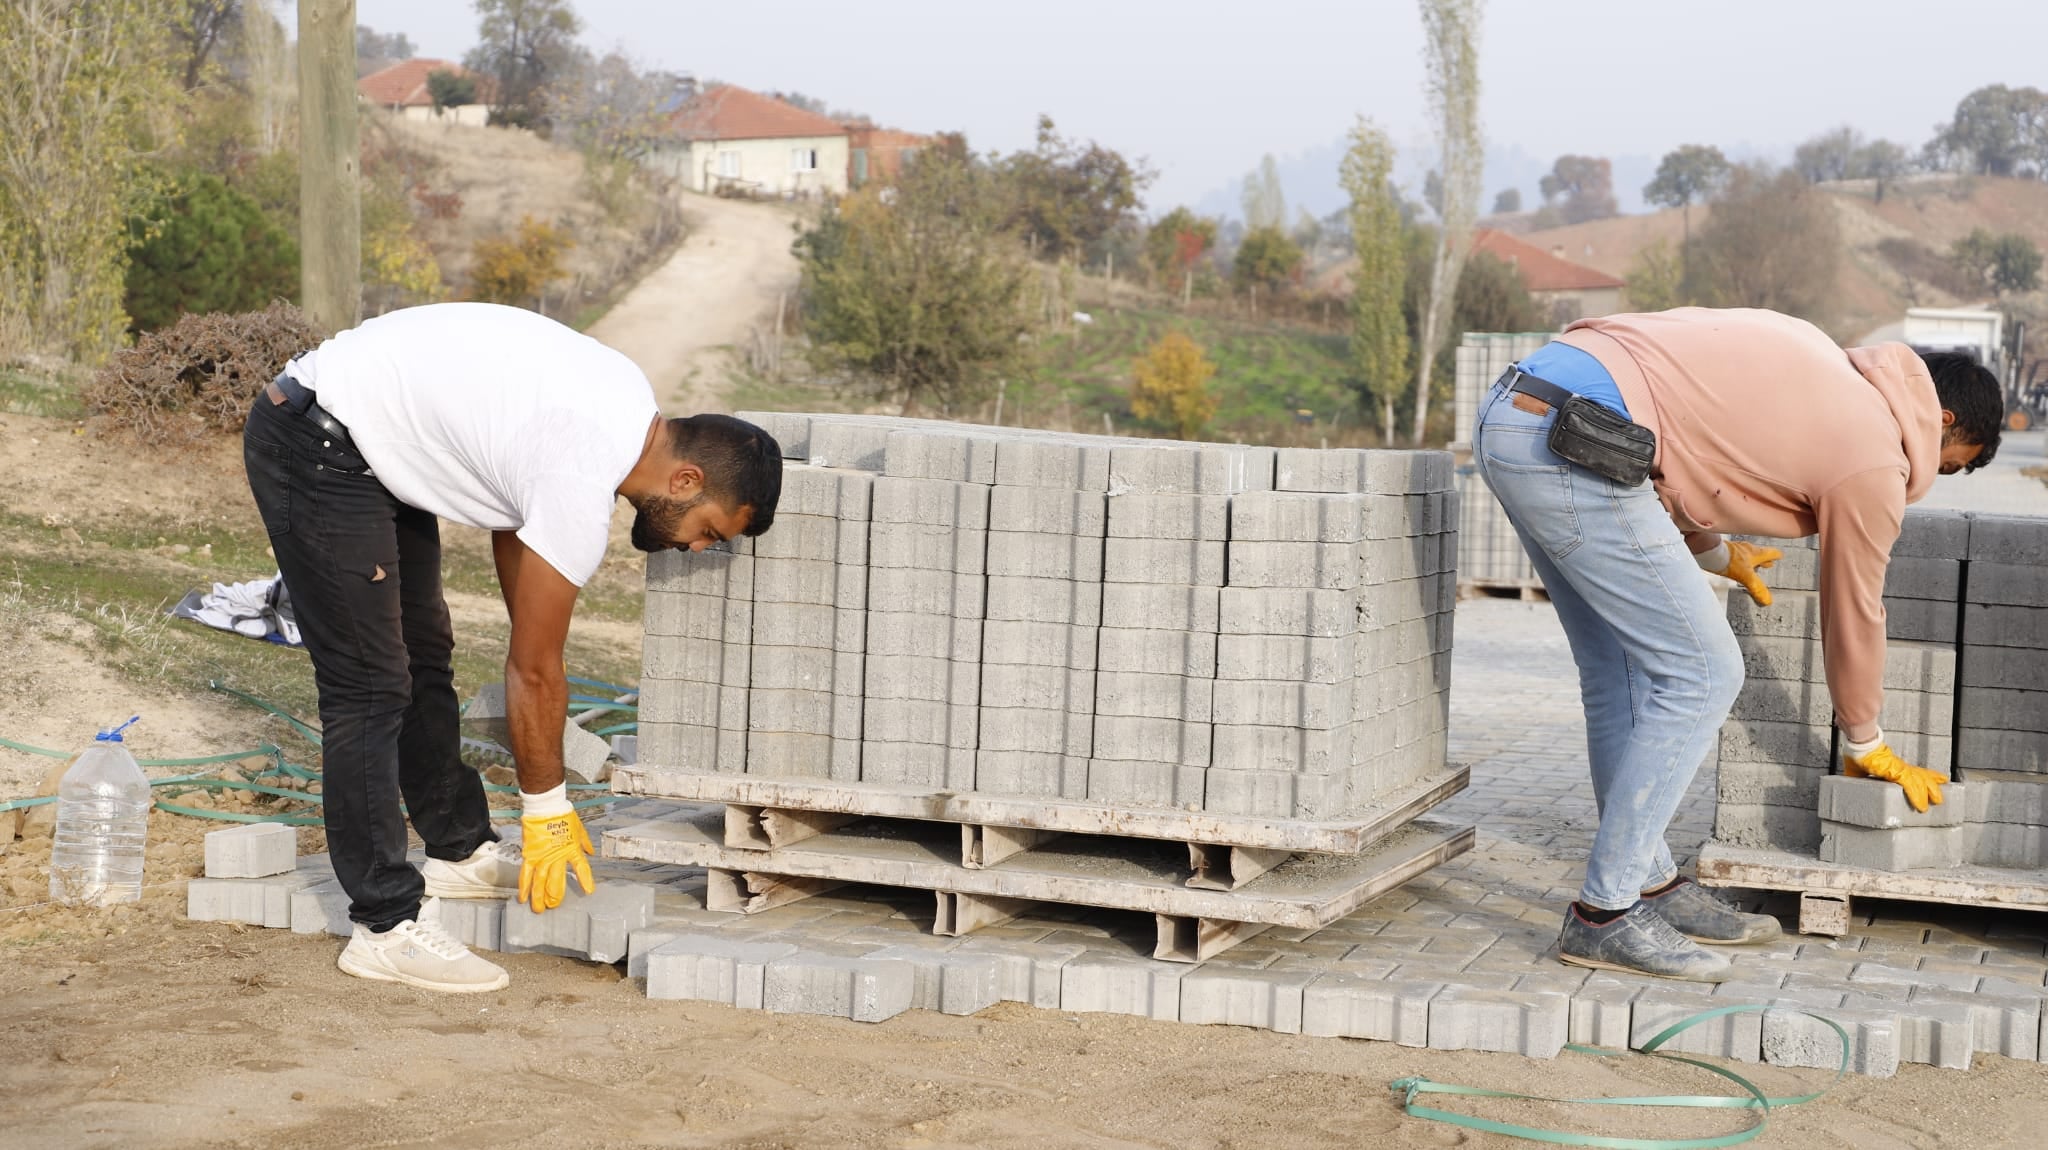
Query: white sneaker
492,872
419,953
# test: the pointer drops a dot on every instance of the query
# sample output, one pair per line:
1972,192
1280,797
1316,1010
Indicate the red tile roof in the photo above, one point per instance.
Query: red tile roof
404,84
726,112
1540,270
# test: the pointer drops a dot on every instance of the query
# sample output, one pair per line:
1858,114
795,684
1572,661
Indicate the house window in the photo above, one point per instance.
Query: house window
860,165
803,159
729,165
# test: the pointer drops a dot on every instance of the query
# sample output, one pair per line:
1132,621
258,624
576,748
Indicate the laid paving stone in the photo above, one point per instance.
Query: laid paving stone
1931,1033
1267,999
948,981
710,968
1027,971
862,989
1794,1038
1105,983
1737,1036
1353,1006
1534,1023
596,926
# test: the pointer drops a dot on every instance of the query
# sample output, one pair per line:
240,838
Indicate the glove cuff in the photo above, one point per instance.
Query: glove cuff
1716,561
1856,750
547,804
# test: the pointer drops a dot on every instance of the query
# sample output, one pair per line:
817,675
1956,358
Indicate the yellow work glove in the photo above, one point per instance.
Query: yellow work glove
1740,561
1922,786
553,840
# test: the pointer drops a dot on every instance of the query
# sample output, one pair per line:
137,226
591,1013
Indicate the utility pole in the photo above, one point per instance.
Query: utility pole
330,202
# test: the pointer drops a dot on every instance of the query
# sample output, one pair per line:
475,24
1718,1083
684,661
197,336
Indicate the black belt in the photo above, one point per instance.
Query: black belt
1518,380
294,396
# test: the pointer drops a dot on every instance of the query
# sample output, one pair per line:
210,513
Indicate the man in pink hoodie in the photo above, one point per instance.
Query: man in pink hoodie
1685,425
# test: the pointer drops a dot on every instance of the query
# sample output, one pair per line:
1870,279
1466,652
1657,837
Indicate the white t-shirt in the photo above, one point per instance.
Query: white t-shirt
491,416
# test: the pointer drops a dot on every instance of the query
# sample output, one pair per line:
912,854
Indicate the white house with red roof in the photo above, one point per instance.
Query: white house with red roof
1567,291
403,88
727,138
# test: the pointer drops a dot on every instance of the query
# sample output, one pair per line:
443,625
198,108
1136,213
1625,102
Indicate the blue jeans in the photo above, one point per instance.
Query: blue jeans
1658,666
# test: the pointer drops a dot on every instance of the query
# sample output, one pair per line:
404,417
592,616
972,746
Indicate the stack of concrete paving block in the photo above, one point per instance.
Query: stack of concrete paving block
1490,554
2002,704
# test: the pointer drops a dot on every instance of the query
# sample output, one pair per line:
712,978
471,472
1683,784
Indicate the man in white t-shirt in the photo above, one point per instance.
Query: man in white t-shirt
505,420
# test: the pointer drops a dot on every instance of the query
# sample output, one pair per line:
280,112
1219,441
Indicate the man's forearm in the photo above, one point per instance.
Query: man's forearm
537,702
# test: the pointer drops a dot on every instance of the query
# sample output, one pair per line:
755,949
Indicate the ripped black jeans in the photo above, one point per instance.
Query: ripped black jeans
364,572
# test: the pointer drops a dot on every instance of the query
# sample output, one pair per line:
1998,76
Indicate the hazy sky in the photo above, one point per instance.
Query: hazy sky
1203,88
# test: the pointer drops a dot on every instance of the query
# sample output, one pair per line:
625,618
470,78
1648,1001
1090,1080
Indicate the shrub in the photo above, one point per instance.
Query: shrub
208,248
516,269
1172,386
198,376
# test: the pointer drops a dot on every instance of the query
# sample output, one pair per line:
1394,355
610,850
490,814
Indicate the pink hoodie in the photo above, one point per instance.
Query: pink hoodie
1766,427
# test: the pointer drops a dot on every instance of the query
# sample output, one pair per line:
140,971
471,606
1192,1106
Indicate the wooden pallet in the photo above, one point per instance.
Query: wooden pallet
787,810
1194,921
1825,888
1527,590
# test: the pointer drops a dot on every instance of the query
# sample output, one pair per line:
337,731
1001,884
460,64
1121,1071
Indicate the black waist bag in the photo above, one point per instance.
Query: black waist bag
1603,441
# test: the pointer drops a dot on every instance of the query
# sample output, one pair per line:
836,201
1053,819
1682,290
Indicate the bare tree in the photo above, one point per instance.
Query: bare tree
1264,202
1451,31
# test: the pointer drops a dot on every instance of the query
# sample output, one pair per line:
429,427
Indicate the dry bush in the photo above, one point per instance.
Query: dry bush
198,376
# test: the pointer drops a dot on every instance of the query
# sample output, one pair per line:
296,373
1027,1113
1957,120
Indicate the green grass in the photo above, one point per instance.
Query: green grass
24,392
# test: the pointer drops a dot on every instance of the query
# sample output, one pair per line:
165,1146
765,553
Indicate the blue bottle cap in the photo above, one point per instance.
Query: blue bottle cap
114,736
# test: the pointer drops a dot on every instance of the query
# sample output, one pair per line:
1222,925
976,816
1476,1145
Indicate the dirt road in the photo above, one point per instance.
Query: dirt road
680,321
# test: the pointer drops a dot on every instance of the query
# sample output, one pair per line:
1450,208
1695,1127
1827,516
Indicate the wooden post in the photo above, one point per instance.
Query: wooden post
330,202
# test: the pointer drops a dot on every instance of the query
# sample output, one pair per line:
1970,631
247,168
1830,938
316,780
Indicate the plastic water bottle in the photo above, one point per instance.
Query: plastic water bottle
102,822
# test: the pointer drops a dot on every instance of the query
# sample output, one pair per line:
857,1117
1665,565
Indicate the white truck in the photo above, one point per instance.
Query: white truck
1981,335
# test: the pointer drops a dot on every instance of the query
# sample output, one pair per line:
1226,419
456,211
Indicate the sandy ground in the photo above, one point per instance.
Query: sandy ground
680,322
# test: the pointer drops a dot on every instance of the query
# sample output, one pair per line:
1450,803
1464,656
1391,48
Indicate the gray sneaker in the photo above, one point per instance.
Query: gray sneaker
1641,943
1703,917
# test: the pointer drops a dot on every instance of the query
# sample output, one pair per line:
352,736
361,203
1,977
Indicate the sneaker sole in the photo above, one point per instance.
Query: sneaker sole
1596,964
375,975
468,890
1779,933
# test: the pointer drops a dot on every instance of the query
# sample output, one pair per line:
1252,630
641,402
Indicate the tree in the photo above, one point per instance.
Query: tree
1175,243
1828,156
1379,333
450,89
1491,298
1065,197
374,50
2009,264
1883,162
1656,279
1265,204
1587,185
81,82
517,269
1771,242
919,294
1171,386
1692,172
521,46
206,248
1507,202
1997,131
200,28
1451,38
1266,258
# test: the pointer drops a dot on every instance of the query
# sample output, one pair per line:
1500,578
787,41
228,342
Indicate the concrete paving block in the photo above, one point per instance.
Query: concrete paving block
321,909
1028,644
1158,651
1001,772
1141,515
790,430
790,712
1908,666
668,660
924,592
706,967
1878,804
2005,845
1285,657
891,720
1903,848
1185,608
2002,709
1304,517
594,926
1323,613
1330,471
1934,533
680,613
2025,751
2004,667
1769,784
1054,732
1141,695
814,537
906,764
2011,539
1037,688
263,901
896,635
1778,828
1069,464
1531,1023
1737,1036
476,923
924,454
1260,748
2007,584
1601,1012
1402,601
1145,783
810,625
1792,1037
1796,614
1930,1033
2007,1024
789,754
1796,744
833,493
1986,625
685,747
1175,562
251,850
848,444
862,989
1784,701
1142,740
1045,600
931,503
798,581
929,547
2007,797
1327,565
1353,1006
722,572
1189,469
1028,972
1392,560
1221,994
1048,511
1310,706
1103,982
948,981
1030,555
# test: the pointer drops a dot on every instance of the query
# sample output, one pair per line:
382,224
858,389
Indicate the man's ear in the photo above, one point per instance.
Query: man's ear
687,480
1948,418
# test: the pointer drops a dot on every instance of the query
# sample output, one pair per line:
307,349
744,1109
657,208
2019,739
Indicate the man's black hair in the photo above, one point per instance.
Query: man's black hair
1968,389
742,464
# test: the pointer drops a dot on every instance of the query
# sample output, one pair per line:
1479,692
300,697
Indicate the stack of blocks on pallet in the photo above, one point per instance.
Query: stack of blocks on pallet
1966,674
1124,622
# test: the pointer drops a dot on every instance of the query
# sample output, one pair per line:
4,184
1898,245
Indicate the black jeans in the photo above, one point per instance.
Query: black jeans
364,572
